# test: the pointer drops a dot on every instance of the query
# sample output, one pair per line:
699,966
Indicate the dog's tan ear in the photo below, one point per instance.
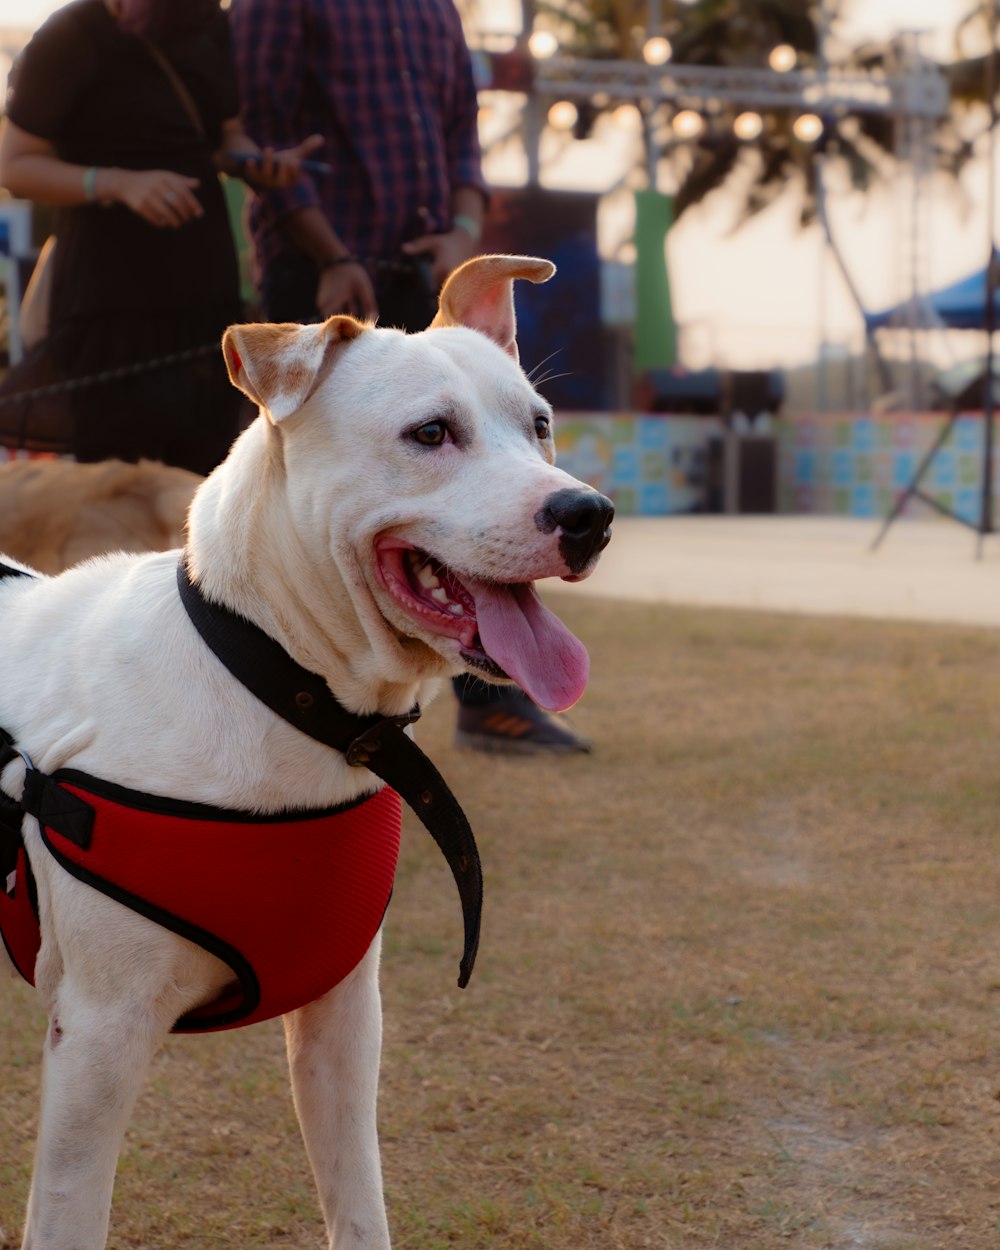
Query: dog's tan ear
480,295
279,366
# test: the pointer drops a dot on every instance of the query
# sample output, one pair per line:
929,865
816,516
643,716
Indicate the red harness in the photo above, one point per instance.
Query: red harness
290,902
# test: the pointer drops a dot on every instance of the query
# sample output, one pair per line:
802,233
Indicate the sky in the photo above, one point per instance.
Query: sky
767,294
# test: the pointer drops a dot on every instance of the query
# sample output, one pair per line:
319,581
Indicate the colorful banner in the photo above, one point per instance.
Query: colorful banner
649,466
856,464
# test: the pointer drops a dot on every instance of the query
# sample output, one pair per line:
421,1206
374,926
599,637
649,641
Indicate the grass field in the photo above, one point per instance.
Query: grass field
738,985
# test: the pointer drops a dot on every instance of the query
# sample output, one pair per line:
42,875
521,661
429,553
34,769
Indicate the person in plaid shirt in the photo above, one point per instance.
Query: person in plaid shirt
388,84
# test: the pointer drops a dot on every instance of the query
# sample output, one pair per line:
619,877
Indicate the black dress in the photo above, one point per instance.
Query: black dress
124,291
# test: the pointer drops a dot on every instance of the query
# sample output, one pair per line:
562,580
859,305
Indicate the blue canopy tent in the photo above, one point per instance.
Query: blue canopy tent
960,306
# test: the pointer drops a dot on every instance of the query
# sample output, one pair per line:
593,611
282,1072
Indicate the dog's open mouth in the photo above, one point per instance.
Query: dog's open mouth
503,630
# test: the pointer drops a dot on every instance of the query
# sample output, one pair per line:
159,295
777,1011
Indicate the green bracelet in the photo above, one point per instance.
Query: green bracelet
90,184
463,221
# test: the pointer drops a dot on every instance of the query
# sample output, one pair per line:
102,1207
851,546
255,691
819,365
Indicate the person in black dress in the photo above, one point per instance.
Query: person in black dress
122,113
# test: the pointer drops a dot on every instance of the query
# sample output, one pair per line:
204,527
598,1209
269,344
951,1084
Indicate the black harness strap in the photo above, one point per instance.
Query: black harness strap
7,750
303,699
11,815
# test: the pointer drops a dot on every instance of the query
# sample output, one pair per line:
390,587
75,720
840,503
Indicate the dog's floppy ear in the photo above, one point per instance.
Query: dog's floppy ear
480,295
280,365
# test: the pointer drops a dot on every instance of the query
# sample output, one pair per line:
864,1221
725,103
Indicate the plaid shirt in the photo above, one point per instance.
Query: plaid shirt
389,84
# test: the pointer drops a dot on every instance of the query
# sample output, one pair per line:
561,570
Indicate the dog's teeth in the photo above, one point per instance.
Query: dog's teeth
456,609
427,578
441,595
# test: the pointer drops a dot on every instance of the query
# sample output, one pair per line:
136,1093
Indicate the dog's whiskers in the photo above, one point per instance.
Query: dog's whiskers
532,375
550,377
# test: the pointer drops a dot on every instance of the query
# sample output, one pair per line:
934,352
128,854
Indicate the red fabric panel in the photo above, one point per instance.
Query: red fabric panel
18,925
300,900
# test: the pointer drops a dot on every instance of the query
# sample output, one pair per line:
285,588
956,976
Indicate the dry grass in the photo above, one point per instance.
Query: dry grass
738,984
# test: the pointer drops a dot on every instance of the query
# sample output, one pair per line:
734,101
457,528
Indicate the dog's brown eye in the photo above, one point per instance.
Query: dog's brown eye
433,434
543,427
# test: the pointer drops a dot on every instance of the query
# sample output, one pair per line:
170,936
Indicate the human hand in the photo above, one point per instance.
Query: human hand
159,196
274,170
345,287
446,252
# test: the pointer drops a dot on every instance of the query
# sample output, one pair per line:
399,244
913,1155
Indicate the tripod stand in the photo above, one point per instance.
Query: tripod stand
984,525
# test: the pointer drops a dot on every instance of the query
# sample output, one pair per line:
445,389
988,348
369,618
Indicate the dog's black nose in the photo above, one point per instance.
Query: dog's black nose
585,517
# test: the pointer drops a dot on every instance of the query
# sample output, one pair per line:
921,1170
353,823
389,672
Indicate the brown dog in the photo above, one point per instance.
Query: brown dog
55,513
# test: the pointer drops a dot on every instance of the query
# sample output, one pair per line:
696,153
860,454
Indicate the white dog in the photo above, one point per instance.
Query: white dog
383,521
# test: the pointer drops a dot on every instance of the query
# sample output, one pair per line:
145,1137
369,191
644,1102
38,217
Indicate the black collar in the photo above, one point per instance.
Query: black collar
375,742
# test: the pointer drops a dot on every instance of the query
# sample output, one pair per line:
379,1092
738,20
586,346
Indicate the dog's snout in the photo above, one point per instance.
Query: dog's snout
584,517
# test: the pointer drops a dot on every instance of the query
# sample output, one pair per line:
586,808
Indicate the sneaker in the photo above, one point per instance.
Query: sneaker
514,725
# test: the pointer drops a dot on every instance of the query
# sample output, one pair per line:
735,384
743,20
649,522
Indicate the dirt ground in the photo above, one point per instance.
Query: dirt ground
738,984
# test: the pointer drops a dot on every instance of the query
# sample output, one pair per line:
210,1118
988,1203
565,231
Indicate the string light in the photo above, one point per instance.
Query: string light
542,44
657,51
688,124
628,117
563,115
782,58
807,128
748,126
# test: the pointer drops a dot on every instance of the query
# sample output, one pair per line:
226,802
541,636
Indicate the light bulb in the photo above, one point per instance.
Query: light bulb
687,124
782,58
748,126
563,115
807,128
543,44
656,51
627,116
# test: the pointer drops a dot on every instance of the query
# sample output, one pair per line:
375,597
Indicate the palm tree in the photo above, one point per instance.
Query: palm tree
969,74
858,145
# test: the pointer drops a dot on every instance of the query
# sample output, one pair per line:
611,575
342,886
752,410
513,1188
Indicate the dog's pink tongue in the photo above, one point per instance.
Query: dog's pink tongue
531,644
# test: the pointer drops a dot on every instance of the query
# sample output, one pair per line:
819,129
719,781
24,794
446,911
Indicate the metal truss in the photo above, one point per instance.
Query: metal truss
922,92
915,94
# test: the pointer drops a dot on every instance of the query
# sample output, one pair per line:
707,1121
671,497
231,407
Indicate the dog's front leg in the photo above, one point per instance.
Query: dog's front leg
96,1056
334,1047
